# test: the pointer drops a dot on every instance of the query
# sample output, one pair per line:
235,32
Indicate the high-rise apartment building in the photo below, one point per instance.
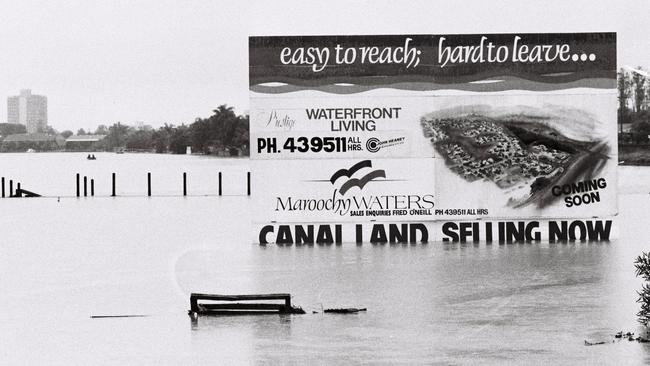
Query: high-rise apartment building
29,110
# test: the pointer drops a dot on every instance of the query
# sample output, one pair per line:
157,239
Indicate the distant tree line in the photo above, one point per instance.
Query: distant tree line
633,105
223,133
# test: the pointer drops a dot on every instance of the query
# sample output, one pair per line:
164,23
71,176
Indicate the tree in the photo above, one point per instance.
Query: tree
12,129
50,130
638,84
81,132
140,140
101,130
224,129
200,134
162,137
624,85
66,134
640,131
180,139
647,95
117,135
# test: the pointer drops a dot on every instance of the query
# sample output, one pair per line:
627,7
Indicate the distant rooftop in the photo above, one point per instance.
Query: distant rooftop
85,138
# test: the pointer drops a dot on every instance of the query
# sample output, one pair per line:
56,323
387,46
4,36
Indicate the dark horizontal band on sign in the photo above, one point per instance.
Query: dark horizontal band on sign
316,61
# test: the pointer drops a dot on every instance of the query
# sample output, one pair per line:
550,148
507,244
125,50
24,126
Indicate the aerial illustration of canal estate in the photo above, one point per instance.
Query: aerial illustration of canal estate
514,149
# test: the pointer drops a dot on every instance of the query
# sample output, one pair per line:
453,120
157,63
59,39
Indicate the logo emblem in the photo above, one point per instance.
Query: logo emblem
356,182
372,144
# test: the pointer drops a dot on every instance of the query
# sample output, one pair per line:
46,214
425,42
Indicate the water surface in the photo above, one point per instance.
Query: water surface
62,261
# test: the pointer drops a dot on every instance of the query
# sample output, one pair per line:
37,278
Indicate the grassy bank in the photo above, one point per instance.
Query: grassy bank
634,155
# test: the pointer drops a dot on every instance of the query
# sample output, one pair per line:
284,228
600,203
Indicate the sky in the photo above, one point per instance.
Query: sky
161,61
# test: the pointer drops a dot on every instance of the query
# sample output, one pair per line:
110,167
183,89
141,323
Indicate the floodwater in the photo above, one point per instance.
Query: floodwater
65,260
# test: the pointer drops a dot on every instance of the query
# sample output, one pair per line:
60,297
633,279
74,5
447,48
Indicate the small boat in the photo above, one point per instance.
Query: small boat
31,150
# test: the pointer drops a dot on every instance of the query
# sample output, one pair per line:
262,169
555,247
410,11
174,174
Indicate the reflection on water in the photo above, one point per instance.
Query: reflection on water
439,303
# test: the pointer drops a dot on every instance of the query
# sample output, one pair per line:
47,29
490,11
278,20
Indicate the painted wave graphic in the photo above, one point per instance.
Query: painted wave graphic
350,172
492,84
361,182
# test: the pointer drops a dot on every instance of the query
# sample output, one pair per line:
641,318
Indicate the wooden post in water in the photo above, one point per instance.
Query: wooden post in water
149,184
248,179
3,187
184,184
78,185
19,193
11,188
92,188
113,191
219,183
85,186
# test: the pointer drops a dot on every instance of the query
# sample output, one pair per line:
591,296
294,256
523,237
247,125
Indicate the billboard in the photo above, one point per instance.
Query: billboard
428,129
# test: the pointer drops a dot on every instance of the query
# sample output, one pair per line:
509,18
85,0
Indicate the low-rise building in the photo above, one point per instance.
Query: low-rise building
83,142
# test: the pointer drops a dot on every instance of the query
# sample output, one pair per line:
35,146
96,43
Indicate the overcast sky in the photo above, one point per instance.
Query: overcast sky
172,61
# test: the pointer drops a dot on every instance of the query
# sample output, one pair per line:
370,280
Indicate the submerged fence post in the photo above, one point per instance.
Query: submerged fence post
113,190
149,184
78,185
85,186
248,178
92,187
11,188
219,183
184,184
3,187
19,192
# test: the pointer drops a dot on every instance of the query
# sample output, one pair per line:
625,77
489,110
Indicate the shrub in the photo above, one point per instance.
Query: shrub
642,265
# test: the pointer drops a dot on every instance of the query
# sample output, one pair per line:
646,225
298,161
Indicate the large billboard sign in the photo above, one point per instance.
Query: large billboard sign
432,131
